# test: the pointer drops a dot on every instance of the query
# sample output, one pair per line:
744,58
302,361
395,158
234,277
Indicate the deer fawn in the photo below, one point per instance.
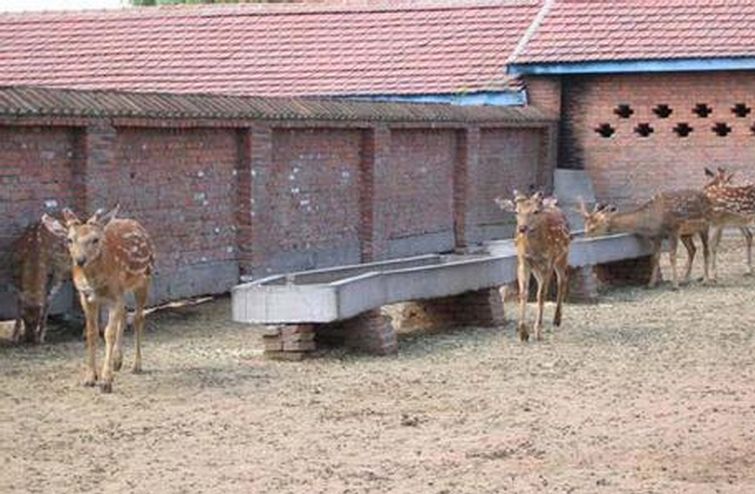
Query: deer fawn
668,215
542,246
110,258
732,206
40,266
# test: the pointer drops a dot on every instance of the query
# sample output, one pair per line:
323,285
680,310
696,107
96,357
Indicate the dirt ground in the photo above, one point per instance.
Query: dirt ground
649,391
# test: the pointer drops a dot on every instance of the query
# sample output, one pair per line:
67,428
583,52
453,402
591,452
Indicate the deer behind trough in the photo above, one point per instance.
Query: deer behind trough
668,215
110,257
542,247
732,206
40,267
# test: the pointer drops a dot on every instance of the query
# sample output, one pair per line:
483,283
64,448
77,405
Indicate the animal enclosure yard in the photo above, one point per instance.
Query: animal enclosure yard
647,391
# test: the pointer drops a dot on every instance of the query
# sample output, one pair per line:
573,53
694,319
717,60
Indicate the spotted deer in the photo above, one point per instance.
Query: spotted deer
542,247
40,267
732,206
110,257
675,216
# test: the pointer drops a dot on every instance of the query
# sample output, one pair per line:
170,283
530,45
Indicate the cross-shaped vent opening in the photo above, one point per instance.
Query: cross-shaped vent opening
741,110
644,130
663,111
721,129
702,110
623,111
683,129
605,130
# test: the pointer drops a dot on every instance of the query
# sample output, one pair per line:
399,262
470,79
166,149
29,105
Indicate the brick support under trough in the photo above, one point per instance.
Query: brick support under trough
627,272
478,308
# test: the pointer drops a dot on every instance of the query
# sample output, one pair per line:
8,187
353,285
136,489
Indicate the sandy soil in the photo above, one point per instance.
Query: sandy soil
648,391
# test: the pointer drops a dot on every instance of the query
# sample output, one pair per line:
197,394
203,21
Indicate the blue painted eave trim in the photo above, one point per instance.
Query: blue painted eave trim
634,66
490,98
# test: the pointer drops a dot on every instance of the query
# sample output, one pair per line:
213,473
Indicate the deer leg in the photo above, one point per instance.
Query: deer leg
91,312
691,250
117,350
706,254
715,240
562,279
114,321
523,276
655,262
140,294
543,282
748,242
673,244
40,336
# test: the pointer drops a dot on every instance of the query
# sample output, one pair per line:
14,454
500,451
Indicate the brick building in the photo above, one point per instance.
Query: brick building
647,93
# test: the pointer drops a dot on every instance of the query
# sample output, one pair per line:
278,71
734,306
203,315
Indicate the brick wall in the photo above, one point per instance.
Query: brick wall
502,154
628,168
417,192
222,198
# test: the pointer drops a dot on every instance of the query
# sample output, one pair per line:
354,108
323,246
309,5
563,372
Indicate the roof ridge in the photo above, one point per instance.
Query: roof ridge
249,8
531,30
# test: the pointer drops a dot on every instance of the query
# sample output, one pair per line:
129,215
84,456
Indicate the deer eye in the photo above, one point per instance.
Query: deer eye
95,241
69,241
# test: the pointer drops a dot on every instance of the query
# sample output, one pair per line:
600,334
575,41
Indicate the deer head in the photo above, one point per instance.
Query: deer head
718,178
525,207
84,240
597,220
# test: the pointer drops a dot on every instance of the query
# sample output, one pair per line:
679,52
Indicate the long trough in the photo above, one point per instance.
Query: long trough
333,294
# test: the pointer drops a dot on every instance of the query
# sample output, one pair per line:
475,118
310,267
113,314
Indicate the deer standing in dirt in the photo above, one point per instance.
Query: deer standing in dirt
542,247
40,267
732,206
110,258
668,215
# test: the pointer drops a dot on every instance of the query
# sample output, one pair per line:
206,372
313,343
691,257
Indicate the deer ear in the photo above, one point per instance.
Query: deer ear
54,226
70,218
709,172
505,204
103,218
582,207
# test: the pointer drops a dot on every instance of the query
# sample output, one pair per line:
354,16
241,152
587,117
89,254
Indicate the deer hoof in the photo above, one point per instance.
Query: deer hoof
117,361
710,282
90,380
106,387
137,369
747,274
524,334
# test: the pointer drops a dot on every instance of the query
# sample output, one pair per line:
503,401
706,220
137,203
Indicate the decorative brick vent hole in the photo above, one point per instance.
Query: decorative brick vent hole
644,130
605,130
683,129
623,111
663,111
741,110
702,110
721,129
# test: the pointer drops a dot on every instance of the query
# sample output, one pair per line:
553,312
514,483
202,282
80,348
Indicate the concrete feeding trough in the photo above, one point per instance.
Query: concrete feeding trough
334,294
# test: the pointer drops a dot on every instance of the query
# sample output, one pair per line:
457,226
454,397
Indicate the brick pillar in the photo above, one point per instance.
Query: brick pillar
548,158
544,93
255,159
374,190
583,285
465,169
243,207
370,332
289,342
477,308
94,165
627,272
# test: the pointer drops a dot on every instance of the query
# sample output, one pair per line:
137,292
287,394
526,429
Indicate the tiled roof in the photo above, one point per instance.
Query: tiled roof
42,102
617,30
391,47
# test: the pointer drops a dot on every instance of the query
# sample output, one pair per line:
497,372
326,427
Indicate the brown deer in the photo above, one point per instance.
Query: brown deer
40,267
732,206
110,258
542,247
668,215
